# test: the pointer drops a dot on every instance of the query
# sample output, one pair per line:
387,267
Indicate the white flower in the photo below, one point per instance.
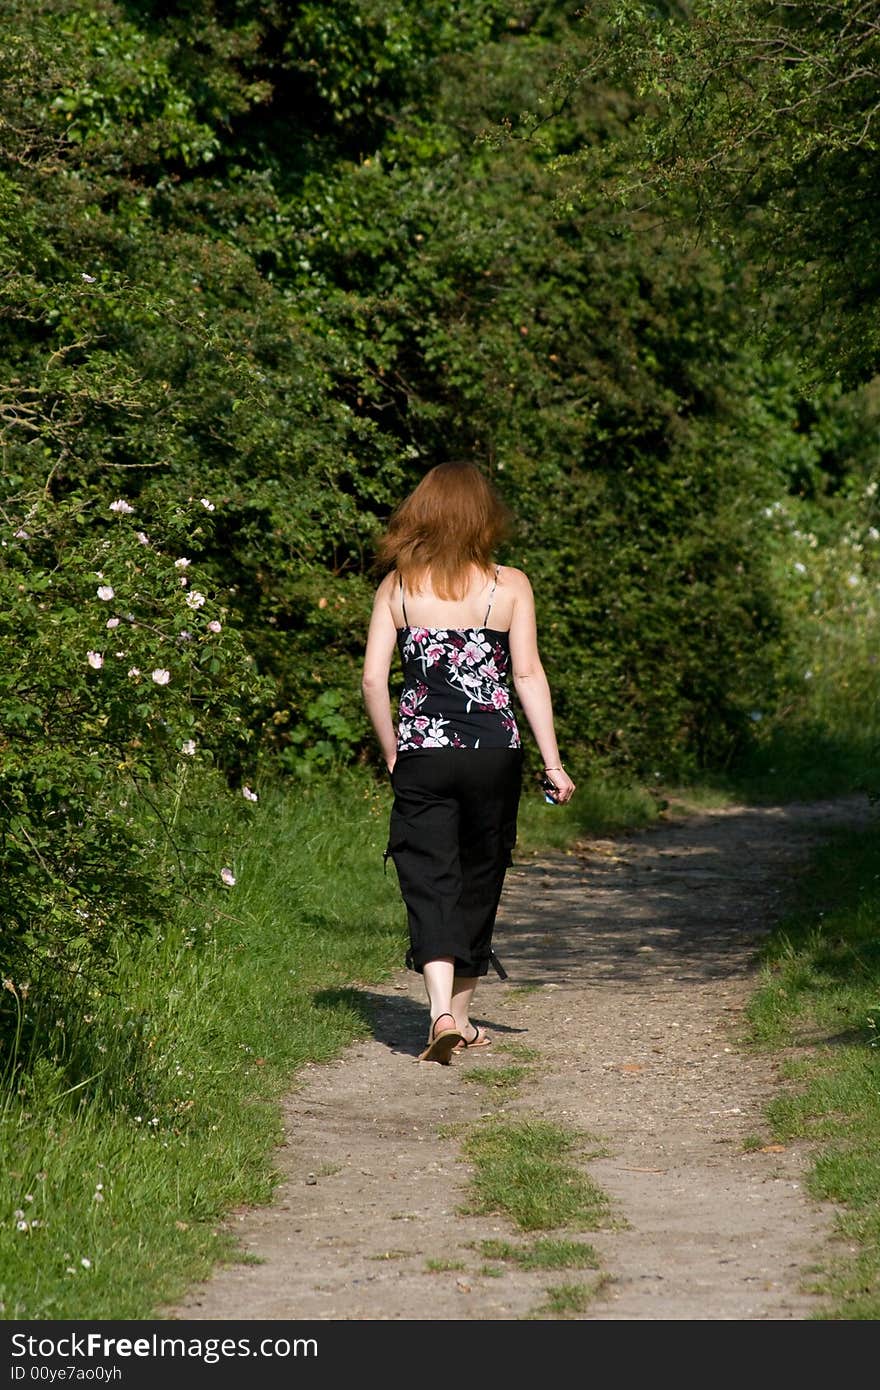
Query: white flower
182,564
228,877
95,660
188,747
98,1197
808,675
22,535
852,580
756,715
184,636
134,670
208,506
801,569
112,622
143,538
873,533
249,795
161,676
89,279
214,626
121,506
86,1263
105,592
195,599
21,1225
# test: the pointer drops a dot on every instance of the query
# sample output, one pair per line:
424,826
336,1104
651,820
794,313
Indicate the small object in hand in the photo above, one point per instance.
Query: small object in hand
549,790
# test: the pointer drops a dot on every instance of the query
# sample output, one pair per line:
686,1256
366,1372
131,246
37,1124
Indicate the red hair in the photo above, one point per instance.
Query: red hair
450,522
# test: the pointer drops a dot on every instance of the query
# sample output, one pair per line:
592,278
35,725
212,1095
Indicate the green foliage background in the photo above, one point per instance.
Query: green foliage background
263,263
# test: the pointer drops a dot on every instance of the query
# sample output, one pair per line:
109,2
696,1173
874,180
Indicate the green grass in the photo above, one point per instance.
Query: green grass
523,1169
176,1112
496,1078
520,1052
544,1253
795,770
568,1300
118,1165
819,1002
599,807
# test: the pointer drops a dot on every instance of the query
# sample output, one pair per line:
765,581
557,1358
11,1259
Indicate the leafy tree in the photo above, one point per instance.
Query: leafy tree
760,122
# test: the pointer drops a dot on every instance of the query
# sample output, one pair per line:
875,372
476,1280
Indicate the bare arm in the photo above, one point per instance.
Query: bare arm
381,639
532,687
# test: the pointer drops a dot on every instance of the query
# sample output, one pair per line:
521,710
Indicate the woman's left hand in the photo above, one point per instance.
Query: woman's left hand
563,786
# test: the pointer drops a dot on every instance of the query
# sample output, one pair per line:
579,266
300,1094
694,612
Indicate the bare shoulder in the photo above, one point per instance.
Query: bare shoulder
515,581
386,587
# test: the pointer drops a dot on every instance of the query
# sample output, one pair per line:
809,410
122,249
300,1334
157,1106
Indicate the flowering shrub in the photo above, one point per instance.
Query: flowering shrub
121,703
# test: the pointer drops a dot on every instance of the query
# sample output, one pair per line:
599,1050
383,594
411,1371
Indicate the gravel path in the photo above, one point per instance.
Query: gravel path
630,962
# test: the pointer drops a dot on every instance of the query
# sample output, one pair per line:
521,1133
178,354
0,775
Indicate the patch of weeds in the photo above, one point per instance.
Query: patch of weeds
519,1051
542,1254
522,1169
569,1300
453,1130
443,1266
491,1272
391,1255
752,1143
501,1078
515,992
565,1301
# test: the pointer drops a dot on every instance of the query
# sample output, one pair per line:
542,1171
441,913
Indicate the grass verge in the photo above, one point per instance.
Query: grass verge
111,1193
819,1003
599,808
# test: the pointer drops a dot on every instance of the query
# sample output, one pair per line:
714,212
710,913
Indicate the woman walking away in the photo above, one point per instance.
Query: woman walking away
461,623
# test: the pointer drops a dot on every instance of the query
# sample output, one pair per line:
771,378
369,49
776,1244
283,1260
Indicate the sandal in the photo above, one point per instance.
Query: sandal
441,1042
480,1039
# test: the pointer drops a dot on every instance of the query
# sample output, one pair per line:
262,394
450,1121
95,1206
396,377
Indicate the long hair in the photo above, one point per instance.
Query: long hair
451,521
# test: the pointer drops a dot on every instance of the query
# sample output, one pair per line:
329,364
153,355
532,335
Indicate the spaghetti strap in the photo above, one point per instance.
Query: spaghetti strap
491,595
402,600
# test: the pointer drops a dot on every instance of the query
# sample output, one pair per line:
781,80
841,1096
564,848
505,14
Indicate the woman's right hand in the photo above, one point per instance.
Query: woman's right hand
564,787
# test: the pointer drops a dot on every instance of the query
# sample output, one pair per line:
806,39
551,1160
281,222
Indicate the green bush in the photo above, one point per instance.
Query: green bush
125,694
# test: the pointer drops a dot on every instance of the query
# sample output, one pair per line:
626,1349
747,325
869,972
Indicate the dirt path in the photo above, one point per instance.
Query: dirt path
630,962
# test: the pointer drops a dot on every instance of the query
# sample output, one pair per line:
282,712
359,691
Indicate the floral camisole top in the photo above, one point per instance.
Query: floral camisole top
455,687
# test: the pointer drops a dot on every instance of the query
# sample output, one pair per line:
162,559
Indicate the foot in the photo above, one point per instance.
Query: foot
442,1039
472,1036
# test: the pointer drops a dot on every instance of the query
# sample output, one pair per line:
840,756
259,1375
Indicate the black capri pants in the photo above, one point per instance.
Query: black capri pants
451,836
